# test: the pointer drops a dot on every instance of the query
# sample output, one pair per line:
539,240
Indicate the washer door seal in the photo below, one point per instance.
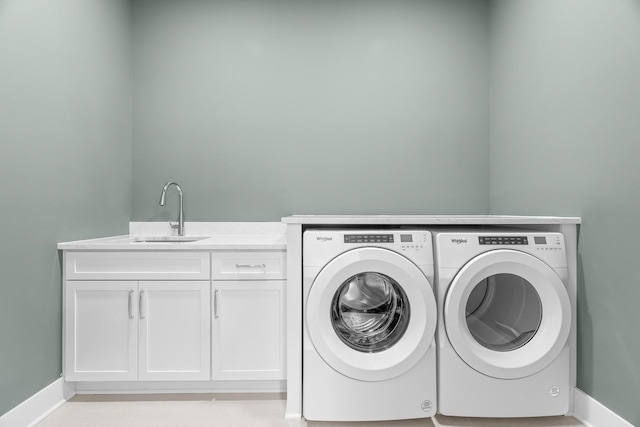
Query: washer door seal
555,322
403,354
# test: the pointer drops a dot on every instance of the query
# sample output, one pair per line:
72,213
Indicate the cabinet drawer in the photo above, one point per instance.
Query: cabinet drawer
248,265
137,265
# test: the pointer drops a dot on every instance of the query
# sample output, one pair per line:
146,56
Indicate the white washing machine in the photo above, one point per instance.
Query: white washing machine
369,316
503,324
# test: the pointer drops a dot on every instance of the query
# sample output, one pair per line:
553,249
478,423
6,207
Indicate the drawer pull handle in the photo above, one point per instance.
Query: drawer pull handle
251,266
140,304
215,304
130,303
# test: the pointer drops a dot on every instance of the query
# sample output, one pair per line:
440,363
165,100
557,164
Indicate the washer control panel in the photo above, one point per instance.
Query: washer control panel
368,238
406,242
401,241
320,246
413,242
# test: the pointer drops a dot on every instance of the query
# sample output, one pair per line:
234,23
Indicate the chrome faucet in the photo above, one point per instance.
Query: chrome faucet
180,224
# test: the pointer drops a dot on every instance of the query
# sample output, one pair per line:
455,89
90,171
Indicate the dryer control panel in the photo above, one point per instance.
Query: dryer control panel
456,248
503,240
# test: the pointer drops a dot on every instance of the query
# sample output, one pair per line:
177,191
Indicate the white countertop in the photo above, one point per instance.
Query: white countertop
272,235
429,219
218,236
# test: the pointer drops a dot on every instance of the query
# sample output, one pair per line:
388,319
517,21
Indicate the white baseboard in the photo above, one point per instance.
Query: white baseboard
155,387
592,413
37,407
587,410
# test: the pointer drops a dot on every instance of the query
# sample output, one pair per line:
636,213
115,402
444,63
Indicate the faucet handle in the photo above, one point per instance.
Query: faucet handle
174,224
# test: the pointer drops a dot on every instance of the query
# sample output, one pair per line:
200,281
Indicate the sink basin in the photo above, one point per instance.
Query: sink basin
167,239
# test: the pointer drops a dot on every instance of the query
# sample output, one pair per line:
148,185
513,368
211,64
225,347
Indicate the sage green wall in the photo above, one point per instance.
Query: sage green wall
267,108
565,140
262,109
65,165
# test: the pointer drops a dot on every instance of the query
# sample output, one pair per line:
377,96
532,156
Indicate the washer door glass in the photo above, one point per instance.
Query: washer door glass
370,312
503,312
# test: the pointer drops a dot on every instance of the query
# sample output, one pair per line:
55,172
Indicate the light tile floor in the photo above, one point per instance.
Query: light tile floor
233,410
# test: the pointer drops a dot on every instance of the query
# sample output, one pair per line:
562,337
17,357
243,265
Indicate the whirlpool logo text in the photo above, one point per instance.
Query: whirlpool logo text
458,241
324,239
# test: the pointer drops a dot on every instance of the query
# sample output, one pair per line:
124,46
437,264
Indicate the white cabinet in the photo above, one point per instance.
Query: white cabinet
248,330
248,322
128,330
141,265
101,331
120,327
174,323
216,317
249,265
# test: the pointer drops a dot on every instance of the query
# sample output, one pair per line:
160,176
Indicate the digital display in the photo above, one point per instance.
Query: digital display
406,238
540,240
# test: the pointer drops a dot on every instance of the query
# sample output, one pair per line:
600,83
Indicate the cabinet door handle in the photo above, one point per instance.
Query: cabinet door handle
140,304
130,303
215,304
251,265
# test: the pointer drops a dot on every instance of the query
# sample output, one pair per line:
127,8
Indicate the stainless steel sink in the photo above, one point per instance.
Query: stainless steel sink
167,239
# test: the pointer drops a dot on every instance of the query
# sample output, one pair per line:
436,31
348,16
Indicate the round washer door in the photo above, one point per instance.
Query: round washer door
371,314
507,314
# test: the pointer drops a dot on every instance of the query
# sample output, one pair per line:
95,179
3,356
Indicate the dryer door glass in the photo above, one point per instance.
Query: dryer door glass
370,312
503,312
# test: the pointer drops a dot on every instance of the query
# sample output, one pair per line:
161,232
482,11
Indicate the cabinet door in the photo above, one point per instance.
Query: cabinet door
175,319
101,333
248,330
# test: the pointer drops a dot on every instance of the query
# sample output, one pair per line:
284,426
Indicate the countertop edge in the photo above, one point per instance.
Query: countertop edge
428,220
158,247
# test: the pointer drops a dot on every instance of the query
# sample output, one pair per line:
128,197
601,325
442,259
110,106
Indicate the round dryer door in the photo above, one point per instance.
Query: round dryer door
371,314
507,314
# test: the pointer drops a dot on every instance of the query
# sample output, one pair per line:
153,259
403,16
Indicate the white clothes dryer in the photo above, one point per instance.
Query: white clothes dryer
369,316
504,322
